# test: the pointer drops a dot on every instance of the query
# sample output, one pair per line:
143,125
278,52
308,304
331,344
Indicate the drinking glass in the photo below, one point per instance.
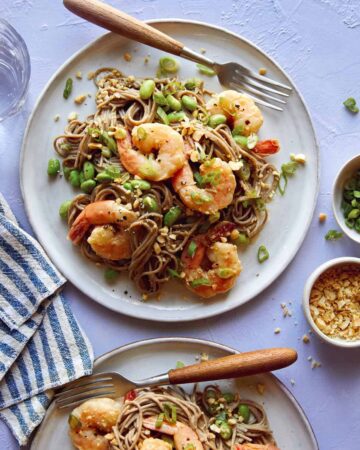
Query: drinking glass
14,70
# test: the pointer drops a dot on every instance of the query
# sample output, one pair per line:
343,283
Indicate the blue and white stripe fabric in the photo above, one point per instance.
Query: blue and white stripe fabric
41,343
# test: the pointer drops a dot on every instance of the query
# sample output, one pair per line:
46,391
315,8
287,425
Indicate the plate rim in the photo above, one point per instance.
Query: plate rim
187,340
199,315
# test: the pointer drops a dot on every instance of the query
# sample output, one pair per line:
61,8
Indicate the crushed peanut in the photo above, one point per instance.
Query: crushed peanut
286,311
78,75
57,118
262,71
127,56
305,339
299,158
335,302
322,217
260,388
80,99
90,75
277,330
72,116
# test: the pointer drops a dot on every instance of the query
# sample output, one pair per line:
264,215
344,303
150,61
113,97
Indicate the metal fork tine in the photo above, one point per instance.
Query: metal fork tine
80,391
75,386
83,399
88,393
261,86
267,80
258,100
256,91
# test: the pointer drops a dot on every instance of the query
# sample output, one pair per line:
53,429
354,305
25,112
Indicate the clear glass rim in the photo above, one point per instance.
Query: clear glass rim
13,107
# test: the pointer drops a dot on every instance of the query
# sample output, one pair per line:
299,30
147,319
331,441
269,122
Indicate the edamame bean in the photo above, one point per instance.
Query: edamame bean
89,170
244,412
354,214
241,140
189,102
103,176
106,152
146,89
229,397
127,186
216,119
74,178
173,102
66,172
87,186
176,116
225,431
239,129
172,216
140,184
53,167
150,204
64,209
160,99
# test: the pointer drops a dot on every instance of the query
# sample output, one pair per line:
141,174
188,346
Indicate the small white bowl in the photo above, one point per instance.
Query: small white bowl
306,300
347,170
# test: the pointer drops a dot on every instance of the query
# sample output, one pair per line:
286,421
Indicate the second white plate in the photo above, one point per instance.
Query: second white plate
290,215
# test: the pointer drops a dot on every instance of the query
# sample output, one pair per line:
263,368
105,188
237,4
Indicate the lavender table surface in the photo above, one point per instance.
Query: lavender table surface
317,43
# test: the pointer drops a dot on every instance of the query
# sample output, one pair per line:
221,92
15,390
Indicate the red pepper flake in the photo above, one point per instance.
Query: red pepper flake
130,396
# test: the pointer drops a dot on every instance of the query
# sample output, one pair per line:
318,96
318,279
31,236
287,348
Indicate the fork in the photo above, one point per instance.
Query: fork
113,384
263,90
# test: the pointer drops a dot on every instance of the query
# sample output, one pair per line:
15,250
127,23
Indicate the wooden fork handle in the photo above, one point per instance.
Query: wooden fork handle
117,21
235,366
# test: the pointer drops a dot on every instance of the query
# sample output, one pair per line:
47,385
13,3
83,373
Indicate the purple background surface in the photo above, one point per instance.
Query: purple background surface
317,43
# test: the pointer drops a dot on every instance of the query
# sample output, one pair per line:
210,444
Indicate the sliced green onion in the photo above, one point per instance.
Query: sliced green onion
179,364
110,275
192,249
224,272
289,168
333,235
162,115
109,142
252,141
205,70
120,133
193,83
172,216
168,64
68,88
283,181
350,104
74,422
200,282
159,420
170,413
141,133
173,273
262,254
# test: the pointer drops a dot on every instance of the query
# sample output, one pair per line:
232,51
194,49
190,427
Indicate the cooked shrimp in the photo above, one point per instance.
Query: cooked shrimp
212,266
218,189
239,109
109,239
183,435
148,139
256,447
91,421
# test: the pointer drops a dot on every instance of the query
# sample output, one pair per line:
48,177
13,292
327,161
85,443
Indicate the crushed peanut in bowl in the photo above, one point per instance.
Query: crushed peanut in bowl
334,302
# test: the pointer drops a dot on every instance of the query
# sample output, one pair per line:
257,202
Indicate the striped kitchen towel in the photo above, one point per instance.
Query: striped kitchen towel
41,343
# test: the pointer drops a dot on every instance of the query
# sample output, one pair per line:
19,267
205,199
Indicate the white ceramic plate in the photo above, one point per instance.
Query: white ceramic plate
290,215
156,356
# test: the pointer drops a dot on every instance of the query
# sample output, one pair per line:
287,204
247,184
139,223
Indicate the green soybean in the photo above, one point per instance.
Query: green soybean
103,176
66,171
87,186
150,204
111,275
189,102
176,116
128,186
160,99
106,152
225,431
244,412
81,177
216,119
53,167
173,103
229,397
172,216
146,89
64,209
239,129
354,214
140,184
89,170
74,178
241,140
